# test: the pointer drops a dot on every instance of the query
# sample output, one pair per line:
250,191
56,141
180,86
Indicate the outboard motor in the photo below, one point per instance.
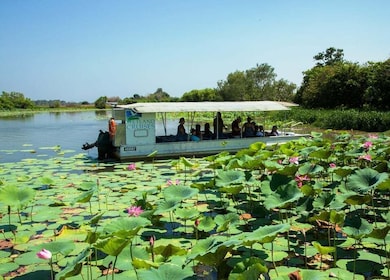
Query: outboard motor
105,148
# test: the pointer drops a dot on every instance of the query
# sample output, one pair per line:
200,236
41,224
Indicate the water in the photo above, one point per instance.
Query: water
41,131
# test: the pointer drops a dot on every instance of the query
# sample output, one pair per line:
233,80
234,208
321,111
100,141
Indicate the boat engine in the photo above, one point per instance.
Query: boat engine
105,148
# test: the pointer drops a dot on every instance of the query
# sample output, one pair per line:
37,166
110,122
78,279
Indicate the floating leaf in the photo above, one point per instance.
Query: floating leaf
179,192
166,272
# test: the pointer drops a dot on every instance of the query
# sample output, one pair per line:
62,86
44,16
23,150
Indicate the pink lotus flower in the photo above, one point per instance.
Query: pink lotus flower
332,165
196,223
294,160
367,145
44,254
366,157
151,240
170,182
135,211
131,167
300,179
373,136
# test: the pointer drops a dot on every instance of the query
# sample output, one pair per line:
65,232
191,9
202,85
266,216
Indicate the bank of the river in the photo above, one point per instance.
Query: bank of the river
17,113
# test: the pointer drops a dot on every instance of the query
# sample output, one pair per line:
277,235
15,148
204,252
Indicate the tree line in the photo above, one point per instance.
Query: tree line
331,83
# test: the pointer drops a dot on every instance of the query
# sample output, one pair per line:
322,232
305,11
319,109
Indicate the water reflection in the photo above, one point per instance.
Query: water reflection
69,130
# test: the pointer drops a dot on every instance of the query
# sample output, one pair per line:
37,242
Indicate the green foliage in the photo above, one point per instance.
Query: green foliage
207,94
370,121
335,83
258,83
14,100
100,103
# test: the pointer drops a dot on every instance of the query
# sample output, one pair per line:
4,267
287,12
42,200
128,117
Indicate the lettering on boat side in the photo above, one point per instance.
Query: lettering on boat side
140,124
130,148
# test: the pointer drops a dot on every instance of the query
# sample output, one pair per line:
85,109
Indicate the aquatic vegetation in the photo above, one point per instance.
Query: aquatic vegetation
311,209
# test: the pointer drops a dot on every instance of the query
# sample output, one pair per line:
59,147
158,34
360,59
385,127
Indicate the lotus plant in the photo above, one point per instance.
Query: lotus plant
135,211
47,255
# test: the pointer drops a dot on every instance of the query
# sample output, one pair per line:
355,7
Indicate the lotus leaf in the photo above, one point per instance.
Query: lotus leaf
170,250
166,272
365,180
309,168
15,196
179,192
126,227
74,267
283,196
166,206
230,177
206,224
187,213
248,269
264,234
112,246
357,228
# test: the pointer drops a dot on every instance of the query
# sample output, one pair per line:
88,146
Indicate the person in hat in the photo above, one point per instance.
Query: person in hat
181,131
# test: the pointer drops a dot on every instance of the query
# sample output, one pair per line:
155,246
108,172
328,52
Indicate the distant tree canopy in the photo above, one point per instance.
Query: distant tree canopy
258,83
207,94
15,100
335,83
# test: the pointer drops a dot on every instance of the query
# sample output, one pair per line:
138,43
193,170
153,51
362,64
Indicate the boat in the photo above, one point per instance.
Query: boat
141,130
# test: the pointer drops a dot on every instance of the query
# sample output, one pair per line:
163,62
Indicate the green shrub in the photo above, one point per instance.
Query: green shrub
369,121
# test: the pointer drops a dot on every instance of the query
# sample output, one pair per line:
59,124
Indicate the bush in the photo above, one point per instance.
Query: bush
370,121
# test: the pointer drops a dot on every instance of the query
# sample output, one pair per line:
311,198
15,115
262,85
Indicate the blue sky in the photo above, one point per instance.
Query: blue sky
79,50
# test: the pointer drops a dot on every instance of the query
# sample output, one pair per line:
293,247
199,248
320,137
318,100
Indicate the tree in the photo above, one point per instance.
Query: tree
377,94
234,88
207,94
158,96
329,57
258,83
100,103
15,100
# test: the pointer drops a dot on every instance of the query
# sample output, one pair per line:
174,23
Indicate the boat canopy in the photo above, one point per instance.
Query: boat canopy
234,106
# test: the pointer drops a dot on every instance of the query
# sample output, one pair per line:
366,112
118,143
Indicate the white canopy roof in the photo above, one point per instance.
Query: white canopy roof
234,106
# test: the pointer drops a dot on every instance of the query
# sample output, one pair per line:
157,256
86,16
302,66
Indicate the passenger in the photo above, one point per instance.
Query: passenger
236,130
197,131
219,126
181,131
196,134
259,131
207,134
274,131
112,129
248,128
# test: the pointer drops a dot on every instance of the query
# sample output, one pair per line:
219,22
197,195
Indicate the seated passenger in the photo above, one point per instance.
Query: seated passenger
196,134
274,131
181,131
259,131
236,130
207,134
248,128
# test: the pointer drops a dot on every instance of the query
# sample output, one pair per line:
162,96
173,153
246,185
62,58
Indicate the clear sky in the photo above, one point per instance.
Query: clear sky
79,50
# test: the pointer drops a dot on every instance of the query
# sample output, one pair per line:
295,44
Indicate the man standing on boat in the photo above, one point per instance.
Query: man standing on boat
219,126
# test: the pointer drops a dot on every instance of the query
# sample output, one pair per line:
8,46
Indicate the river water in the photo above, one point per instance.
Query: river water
35,135
40,132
